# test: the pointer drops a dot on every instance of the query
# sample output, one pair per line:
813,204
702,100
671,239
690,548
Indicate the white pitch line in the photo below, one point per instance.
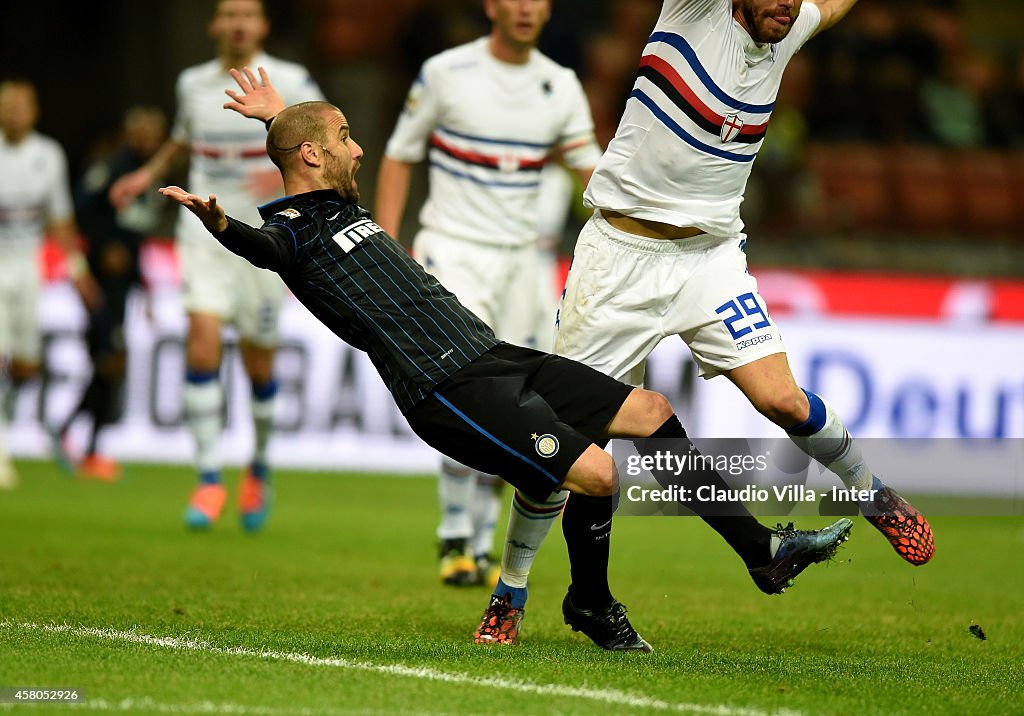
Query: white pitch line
133,704
200,707
608,696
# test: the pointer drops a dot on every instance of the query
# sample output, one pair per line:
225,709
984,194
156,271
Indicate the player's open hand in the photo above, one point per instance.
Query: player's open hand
258,98
208,210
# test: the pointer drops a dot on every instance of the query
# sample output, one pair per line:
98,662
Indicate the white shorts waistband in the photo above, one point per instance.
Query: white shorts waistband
698,243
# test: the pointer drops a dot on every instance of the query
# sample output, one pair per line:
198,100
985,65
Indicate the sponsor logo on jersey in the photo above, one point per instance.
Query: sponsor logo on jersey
731,127
289,214
763,338
546,445
352,234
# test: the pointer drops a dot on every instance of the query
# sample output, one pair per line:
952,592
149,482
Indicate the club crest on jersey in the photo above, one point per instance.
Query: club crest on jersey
289,214
546,445
731,127
508,163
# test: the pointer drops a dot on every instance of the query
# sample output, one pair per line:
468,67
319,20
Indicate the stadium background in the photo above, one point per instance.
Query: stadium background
908,314
886,212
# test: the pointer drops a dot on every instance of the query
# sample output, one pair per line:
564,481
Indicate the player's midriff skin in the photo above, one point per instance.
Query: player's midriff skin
647,228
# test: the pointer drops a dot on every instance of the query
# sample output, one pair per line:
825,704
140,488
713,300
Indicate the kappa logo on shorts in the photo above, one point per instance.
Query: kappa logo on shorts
289,214
546,445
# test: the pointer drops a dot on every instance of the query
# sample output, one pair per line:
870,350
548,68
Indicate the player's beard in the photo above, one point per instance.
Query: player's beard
342,179
759,24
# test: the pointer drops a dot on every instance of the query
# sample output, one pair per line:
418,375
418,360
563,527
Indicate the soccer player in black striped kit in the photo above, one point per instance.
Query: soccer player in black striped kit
499,408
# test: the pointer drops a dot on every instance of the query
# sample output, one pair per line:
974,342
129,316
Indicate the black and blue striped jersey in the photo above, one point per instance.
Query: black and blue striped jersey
363,285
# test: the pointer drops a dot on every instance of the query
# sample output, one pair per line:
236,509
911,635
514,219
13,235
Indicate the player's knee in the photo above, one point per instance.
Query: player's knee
259,362
203,342
658,409
597,477
203,357
784,408
605,480
643,413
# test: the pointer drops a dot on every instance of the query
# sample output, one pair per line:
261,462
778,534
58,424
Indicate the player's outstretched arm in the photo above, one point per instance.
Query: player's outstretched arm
258,98
271,247
209,211
832,11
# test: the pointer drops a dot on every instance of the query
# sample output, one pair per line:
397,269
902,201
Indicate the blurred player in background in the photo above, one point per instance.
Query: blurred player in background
113,240
558,192
228,158
34,198
488,115
663,254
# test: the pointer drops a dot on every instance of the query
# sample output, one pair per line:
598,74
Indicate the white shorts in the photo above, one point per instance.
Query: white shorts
20,337
625,293
217,282
500,284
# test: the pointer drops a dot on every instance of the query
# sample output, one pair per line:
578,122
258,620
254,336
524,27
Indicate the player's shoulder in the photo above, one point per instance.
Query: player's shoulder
199,72
543,64
458,58
44,144
276,66
302,209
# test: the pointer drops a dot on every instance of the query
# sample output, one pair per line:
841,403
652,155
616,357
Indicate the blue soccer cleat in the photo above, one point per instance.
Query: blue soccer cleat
797,550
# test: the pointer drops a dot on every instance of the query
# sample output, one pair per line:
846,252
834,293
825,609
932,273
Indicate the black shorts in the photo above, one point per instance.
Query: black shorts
521,414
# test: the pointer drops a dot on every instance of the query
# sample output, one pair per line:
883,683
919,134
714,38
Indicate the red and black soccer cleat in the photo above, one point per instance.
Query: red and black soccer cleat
500,622
906,529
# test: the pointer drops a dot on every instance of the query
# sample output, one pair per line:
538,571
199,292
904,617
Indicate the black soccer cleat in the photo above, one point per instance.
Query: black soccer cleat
798,549
608,628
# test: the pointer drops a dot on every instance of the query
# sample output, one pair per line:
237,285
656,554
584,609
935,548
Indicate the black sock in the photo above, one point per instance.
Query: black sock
732,520
587,526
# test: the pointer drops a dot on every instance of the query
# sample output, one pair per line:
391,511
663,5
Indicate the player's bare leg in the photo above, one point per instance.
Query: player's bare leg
815,428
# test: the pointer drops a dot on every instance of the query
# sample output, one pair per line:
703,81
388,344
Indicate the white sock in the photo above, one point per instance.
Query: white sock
529,522
204,402
262,420
484,513
826,440
456,485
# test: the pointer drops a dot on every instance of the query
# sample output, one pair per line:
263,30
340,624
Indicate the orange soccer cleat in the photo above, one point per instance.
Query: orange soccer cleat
899,522
205,506
97,467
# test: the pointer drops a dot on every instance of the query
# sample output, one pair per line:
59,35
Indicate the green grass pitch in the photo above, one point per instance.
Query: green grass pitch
335,609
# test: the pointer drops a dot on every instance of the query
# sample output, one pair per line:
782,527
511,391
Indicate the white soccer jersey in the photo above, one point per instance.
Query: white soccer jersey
33,190
226,146
489,127
695,119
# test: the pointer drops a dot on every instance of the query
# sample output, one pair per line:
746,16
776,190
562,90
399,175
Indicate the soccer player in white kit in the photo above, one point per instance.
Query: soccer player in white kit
488,116
34,198
228,159
663,254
